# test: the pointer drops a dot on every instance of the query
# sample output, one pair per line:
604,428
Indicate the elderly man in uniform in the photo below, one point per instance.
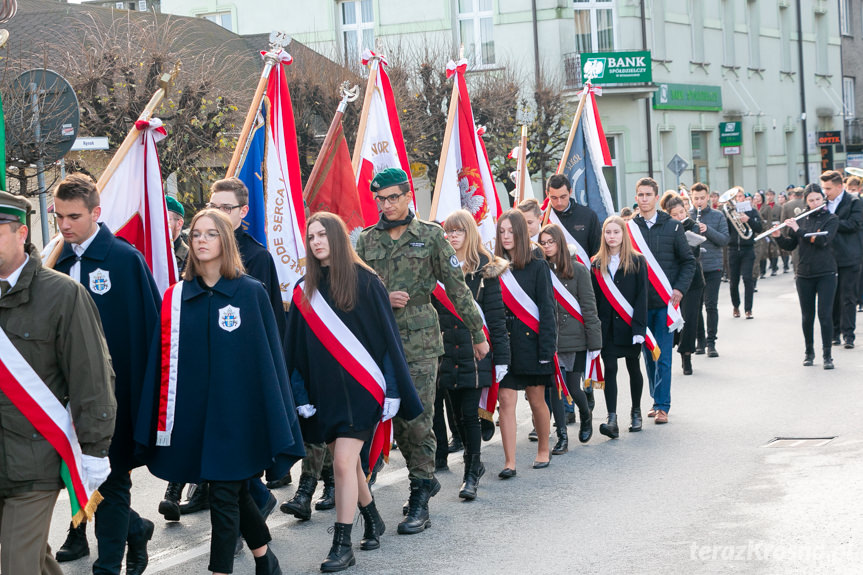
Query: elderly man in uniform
54,325
176,220
411,256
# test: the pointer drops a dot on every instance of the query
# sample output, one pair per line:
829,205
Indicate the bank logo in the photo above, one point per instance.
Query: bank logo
594,68
730,127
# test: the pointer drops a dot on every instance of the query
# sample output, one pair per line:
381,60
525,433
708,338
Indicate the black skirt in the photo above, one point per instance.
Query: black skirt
521,382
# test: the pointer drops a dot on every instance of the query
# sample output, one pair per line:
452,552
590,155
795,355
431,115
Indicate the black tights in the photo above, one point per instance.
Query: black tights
573,384
636,381
465,406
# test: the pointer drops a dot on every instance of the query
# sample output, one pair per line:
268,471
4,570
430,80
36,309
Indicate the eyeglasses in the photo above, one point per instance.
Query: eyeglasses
392,199
456,232
204,236
547,243
227,208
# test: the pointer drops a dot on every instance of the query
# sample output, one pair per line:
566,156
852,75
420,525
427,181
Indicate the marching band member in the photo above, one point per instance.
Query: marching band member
217,325
741,258
816,270
532,326
575,335
620,284
460,375
348,371
713,226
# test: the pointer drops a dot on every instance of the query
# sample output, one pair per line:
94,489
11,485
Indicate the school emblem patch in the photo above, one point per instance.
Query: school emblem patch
229,318
100,282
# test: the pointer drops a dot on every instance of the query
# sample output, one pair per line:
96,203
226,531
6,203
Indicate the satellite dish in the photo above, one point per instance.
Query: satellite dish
42,117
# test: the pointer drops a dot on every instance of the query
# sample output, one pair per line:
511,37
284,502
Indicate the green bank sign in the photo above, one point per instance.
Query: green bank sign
616,67
687,97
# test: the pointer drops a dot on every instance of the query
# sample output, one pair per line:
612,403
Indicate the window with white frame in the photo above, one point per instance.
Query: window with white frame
223,19
845,17
357,28
594,25
476,31
848,97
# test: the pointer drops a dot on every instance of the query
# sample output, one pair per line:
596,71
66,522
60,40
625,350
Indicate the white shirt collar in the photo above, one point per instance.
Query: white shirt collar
13,277
833,204
79,249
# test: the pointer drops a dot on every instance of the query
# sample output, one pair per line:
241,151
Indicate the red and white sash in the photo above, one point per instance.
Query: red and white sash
623,307
526,310
657,277
170,344
592,368
488,398
580,252
34,399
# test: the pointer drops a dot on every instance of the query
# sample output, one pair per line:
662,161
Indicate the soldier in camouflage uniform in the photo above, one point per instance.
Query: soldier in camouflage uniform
411,256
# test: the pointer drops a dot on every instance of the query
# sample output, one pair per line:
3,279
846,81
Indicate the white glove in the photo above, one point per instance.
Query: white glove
500,372
96,471
306,411
391,408
543,362
636,339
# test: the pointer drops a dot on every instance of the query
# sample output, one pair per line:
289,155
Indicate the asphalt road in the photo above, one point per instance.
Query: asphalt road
702,494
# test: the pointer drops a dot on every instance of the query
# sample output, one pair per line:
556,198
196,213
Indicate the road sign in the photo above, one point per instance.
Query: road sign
730,134
731,150
677,165
97,143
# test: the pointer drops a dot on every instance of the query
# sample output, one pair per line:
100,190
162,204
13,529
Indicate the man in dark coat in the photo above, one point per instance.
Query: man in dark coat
713,226
117,278
580,221
848,250
667,242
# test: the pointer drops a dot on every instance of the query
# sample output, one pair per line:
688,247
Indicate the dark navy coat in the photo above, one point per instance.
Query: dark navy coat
235,416
616,333
343,404
260,265
116,276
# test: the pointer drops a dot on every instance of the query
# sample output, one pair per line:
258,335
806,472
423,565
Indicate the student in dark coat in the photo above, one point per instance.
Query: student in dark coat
116,276
581,222
338,408
195,422
628,271
460,375
532,353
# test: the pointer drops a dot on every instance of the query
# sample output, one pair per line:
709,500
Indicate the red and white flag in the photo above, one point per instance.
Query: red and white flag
133,204
383,145
466,182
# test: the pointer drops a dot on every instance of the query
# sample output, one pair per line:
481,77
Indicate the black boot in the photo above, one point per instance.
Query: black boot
374,527
267,564
170,505
286,480
198,501
828,358
435,487
440,462
610,429
75,545
417,519
328,497
300,505
473,470
809,358
585,429
686,362
341,555
136,554
636,419
455,445
591,402
562,445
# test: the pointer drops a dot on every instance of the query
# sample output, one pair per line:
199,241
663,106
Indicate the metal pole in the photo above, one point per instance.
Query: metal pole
802,95
647,120
40,164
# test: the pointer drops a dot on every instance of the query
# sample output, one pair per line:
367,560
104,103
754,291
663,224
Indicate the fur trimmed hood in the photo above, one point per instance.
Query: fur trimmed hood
495,267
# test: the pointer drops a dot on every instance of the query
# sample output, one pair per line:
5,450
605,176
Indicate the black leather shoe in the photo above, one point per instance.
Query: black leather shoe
699,350
300,505
328,496
711,352
532,436
278,483
837,341
417,519
507,473
75,545
828,363
487,429
849,344
562,445
199,500
809,359
455,445
374,527
136,553
585,430
169,507
267,564
686,363
610,428
341,555
440,463
635,414
541,464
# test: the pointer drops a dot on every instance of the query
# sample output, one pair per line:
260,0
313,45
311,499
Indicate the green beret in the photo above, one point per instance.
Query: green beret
175,206
13,208
388,178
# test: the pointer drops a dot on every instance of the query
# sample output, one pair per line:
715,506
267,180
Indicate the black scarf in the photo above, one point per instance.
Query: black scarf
385,224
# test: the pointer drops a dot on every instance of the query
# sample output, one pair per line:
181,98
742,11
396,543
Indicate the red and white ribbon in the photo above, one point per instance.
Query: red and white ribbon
281,55
623,308
170,340
657,277
368,55
580,253
453,67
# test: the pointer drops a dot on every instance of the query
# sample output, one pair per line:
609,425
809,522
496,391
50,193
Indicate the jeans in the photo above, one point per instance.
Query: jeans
845,303
740,263
232,510
712,281
659,372
824,288
116,522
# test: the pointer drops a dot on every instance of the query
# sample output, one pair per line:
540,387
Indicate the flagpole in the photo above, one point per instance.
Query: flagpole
522,165
450,121
348,95
131,138
374,64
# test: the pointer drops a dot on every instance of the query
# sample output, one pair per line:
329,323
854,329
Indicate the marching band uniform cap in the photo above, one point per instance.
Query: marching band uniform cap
175,206
13,208
388,178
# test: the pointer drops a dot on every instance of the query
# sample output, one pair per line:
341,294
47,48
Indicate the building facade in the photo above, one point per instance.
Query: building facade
712,62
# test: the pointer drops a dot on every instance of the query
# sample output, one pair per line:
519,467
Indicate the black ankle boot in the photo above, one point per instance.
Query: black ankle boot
75,545
635,414
585,429
591,402
341,555
374,527
473,470
170,506
417,519
328,496
435,488
300,505
137,557
686,362
562,445
828,358
267,564
610,429
199,500
809,358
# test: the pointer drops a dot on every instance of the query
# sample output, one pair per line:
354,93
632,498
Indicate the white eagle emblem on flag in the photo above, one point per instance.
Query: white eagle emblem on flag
100,281
229,318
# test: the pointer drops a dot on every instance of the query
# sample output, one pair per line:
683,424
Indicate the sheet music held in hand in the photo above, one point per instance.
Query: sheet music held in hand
815,234
694,239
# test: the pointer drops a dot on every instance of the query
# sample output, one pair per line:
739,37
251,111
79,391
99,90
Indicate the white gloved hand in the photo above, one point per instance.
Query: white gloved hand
391,408
636,339
96,471
306,411
500,372
545,361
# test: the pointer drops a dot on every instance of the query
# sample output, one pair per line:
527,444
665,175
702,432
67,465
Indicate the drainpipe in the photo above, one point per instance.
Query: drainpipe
647,122
535,44
802,94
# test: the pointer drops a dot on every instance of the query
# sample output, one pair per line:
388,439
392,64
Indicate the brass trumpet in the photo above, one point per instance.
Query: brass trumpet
727,204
